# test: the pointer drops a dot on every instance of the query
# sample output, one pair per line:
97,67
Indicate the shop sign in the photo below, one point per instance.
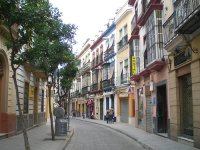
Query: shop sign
133,65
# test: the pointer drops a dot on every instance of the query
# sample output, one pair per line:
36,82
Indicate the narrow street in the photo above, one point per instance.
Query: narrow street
90,136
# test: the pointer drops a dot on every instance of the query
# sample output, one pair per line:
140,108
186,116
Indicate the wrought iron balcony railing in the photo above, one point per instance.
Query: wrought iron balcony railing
108,84
123,42
86,67
94,87
187,13
134,26
123,79
109,54
85,90
169,29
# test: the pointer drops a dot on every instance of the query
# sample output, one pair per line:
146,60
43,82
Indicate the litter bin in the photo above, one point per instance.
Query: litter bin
83,114
61,127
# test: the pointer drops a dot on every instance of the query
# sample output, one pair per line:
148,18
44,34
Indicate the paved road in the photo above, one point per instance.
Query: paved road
89,136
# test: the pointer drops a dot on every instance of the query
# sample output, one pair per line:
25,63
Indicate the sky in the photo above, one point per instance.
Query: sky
89,15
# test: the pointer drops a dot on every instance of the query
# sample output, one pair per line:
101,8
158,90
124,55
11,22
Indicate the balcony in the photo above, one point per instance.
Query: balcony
182,56
75,94
109,53
147,10
123,79
134,27
187,14
94,87
169,29
108,84
85,90
123,42
86,68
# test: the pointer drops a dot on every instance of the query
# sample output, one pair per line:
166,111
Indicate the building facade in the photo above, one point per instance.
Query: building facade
182,43
32,94
123,90
149,67
81,87
108,72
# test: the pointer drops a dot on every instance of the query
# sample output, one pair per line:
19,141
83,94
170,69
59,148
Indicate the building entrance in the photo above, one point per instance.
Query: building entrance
162,109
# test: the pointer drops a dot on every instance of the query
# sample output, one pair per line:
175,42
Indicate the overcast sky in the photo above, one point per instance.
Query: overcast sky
89,15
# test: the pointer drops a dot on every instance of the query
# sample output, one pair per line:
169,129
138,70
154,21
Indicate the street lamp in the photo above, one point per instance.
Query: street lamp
49,84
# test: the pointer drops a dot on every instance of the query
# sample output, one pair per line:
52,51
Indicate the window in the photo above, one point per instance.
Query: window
121,67
105,72
26,97
120,34
125,30
154,37
124,71
126,66
136,53
97,56
123,37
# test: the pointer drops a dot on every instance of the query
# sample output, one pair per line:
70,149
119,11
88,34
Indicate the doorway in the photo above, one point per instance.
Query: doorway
162,109
186,106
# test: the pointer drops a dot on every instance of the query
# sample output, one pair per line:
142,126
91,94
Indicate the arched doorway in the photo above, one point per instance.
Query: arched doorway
7,118
1,88
3,81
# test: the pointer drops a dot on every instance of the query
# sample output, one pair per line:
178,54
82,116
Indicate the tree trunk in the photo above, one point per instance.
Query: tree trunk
12,58
26,141
68,108
51,116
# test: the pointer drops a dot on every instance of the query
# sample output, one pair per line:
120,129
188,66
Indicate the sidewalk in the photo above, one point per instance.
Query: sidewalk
39,139
148,140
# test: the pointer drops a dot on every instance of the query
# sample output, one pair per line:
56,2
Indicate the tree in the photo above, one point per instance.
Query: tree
67,75
51,48
22,20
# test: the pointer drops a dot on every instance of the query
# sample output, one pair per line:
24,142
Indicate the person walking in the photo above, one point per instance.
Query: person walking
111,115
107,116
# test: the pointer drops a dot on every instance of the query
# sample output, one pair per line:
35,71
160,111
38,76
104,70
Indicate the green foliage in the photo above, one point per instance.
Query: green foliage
67,75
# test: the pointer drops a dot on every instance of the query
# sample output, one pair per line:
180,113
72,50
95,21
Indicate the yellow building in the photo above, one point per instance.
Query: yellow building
31,93
124,92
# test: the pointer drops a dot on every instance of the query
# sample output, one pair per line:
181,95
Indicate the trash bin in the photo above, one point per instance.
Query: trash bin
61,126
83,114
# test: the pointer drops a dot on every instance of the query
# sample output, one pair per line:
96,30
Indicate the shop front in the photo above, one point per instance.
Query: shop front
152,99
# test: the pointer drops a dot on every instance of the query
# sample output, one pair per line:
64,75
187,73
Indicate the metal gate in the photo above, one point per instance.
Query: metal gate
149,120
187,106
124,110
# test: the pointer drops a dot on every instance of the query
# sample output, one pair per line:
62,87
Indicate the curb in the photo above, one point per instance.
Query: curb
67,140
122,132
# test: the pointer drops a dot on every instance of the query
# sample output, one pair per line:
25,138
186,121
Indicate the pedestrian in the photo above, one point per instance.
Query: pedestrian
111,115
107,116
